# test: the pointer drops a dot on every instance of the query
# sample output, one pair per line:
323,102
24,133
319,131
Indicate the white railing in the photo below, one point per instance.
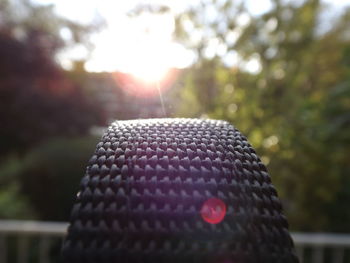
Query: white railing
310,247
316,243
24,232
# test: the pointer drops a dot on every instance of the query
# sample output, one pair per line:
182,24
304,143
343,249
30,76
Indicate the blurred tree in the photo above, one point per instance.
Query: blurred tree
288,91
58,165
12,203
36,99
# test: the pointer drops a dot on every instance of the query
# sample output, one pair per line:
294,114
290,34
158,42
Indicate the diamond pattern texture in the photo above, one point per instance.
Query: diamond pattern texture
140,200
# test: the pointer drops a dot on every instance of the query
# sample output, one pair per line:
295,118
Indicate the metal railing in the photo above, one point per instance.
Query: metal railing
43,234
310,247
337,247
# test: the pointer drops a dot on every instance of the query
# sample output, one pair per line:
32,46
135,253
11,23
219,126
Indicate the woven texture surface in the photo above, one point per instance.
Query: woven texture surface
142,198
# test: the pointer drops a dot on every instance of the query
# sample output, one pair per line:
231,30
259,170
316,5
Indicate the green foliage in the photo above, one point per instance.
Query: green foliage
50,175
22,17
37,100
12,203
295,110
43,183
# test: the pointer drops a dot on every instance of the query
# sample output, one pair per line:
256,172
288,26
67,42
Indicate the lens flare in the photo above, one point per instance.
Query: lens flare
213,211
137,87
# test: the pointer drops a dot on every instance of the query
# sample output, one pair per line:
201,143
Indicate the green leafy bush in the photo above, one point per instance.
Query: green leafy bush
50,175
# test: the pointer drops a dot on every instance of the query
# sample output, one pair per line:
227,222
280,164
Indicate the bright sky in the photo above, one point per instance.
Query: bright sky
141,46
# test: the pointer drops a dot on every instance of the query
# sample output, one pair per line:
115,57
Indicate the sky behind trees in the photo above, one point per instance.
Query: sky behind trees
118,44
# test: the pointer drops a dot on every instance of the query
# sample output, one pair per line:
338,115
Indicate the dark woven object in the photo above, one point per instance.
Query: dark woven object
145,186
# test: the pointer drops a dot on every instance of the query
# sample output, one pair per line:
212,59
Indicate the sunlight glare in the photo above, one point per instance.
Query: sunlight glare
150,56
146,49
149,62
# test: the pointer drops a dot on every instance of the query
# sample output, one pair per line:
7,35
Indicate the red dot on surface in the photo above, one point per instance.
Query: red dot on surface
213,211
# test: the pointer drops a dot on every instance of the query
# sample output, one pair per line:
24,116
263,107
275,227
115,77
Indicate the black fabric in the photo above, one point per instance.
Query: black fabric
145,186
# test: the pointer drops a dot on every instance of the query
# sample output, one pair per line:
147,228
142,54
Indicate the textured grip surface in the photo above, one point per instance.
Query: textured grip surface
142,198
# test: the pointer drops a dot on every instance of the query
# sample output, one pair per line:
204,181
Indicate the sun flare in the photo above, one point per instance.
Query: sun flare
149,61
151,56
142,47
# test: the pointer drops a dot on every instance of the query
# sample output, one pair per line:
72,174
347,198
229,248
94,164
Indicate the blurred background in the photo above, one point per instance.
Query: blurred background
279,70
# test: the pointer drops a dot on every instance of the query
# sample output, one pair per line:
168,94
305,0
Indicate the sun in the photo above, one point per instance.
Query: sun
141,46
140,43
150,61
151,58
